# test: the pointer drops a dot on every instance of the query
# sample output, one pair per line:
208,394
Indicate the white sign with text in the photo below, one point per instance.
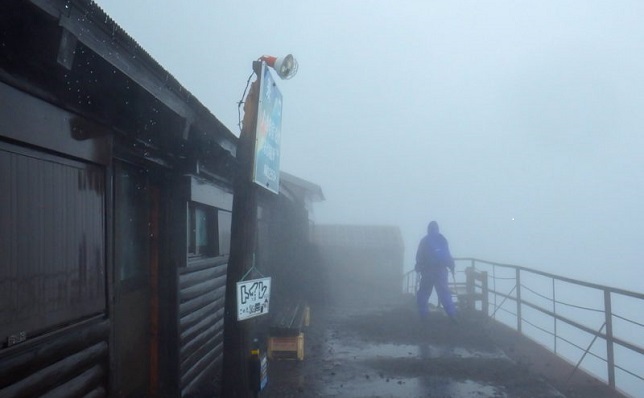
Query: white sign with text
253,297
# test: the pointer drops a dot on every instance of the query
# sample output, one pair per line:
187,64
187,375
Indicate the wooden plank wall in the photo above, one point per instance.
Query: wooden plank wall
52,245
71,363
201,325
52,276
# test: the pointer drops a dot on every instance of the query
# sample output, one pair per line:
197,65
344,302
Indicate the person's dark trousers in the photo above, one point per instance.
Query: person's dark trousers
434,277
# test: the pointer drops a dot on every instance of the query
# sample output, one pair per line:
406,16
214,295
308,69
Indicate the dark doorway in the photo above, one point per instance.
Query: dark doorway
135,311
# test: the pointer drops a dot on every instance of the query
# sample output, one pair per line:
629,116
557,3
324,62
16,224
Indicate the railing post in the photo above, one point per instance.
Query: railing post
484,294
518,288
494,287
610,355
554,311
470,288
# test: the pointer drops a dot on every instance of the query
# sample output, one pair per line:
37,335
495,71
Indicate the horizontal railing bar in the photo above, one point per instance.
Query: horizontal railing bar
564,319
597,356
627,320
507,311
628,345
568,321
492,291
504,279
629,372
579,307
538,327
557,277
562,302
609,336
552,314
592,354
536,293
587,284
584,328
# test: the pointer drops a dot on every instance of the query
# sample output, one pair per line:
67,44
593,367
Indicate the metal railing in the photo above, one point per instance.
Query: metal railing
567,311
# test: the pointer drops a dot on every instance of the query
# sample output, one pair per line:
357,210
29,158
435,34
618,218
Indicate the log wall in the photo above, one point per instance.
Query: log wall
201,325
70,363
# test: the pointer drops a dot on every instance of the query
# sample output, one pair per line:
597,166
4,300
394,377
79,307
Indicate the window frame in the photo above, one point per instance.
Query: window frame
211,249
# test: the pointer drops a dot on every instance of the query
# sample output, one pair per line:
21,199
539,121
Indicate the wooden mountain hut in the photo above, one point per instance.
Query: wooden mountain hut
115,202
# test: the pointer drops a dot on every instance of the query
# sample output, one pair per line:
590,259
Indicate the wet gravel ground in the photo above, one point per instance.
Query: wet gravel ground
389,352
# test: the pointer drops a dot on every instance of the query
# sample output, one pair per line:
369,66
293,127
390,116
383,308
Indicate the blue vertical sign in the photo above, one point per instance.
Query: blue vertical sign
268,133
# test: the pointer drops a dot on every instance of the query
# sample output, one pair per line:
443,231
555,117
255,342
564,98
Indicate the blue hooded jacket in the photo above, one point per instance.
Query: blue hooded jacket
433,250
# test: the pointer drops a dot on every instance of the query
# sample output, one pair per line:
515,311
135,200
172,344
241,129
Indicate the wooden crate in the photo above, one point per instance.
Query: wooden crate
286,347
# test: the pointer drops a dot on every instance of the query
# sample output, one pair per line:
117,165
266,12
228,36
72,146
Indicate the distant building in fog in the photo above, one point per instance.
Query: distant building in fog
363,263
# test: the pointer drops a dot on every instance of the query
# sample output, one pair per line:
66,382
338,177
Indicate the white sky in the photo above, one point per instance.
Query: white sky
517,125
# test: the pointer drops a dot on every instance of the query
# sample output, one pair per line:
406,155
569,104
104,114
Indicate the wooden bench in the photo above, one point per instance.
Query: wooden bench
285,335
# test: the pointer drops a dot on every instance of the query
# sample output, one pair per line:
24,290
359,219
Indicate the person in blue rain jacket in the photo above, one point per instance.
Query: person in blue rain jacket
433,260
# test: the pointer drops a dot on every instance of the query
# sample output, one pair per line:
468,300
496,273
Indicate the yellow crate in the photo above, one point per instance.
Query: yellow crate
286,347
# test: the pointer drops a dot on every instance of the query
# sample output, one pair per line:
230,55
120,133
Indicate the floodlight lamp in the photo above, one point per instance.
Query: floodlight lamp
285,67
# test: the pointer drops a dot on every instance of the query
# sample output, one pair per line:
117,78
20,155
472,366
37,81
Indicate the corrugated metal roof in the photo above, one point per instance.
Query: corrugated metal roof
301,187
109,41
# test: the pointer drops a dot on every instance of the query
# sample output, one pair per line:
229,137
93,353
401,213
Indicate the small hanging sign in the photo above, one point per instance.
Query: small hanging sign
253,297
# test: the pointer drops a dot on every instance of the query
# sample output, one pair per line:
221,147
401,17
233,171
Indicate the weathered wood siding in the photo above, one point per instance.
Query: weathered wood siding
52,276
201,324
52,250
71,363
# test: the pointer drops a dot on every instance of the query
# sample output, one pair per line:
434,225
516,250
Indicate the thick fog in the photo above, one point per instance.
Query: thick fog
517,125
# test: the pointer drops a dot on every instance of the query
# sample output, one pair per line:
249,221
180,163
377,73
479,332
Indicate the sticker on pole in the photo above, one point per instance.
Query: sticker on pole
253,298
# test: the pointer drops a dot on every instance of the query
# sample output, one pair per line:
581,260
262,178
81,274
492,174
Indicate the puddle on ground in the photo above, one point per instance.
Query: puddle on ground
413,387
426,351
356,355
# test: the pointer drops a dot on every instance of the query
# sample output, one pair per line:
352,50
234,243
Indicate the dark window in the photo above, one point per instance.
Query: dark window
132,217
225,222
203,239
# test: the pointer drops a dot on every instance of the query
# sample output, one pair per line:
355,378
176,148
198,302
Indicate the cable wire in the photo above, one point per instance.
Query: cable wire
241,101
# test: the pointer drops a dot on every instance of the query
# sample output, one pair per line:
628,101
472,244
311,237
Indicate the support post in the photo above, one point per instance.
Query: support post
554,318
485,305
494,287
236,383
518,287
610,354
470,288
